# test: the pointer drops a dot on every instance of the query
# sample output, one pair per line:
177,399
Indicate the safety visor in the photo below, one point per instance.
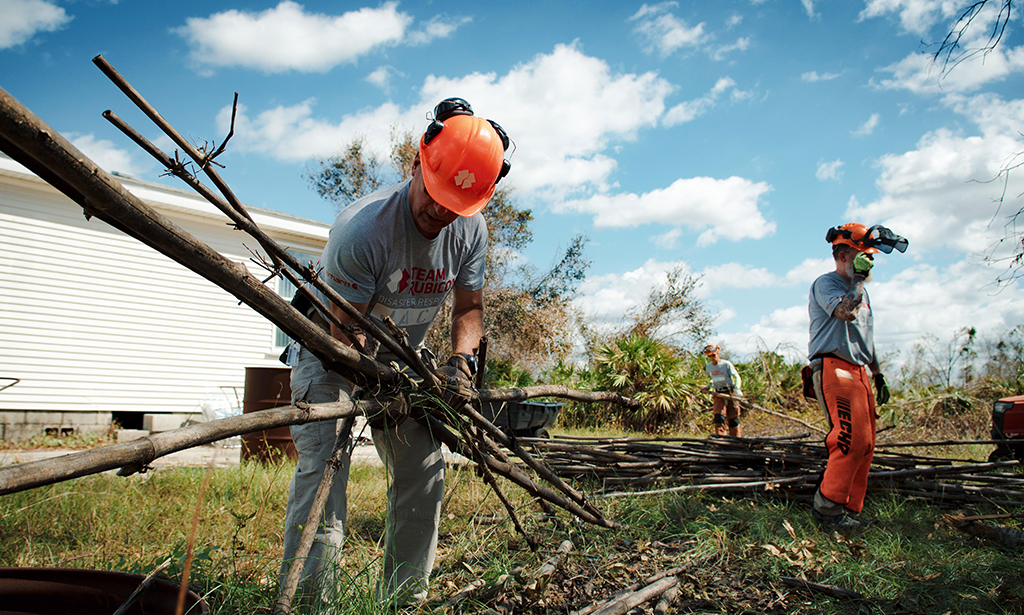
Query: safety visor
883,239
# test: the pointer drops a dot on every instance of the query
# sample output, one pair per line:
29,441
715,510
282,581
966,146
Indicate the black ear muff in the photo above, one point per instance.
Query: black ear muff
450,107
445,109
506,166
836,232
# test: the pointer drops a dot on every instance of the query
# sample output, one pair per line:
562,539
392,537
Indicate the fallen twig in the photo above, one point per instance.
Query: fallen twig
539,582
629,601
1007,536
342,450
666,600
831,590
135,595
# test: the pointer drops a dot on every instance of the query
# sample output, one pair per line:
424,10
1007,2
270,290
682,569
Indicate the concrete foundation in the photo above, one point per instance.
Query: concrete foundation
22,425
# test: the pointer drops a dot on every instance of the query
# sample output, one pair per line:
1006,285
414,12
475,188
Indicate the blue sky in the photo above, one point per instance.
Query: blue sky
723,137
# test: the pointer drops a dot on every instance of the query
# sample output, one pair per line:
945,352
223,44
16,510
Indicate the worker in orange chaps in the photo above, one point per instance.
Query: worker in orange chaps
850,406
841,351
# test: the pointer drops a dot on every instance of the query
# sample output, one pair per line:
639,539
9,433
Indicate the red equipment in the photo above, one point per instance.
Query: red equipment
1008,424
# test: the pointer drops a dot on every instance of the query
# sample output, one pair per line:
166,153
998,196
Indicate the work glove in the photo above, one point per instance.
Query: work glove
460,365
456,385
881,390
862,264
392,413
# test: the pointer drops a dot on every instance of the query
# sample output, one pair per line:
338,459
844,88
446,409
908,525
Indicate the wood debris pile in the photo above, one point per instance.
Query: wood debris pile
789,465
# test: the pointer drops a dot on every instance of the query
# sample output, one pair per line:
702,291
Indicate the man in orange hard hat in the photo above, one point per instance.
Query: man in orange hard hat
725,380
398,253
841,346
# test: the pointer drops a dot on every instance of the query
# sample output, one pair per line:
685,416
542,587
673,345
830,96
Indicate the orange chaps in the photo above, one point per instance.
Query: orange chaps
850,408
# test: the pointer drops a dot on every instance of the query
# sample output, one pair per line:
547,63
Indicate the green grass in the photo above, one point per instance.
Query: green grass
912,562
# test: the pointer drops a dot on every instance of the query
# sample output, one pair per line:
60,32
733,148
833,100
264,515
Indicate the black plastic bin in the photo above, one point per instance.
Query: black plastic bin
524,419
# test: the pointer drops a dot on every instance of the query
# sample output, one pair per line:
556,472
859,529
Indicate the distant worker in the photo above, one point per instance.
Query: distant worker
841,345
725,380
398,253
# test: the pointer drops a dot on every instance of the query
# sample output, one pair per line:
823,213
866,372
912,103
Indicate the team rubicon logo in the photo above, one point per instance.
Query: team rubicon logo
418,281
465,179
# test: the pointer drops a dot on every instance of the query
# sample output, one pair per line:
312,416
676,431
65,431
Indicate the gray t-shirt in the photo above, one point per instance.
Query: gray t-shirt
376,255
851,341
724,376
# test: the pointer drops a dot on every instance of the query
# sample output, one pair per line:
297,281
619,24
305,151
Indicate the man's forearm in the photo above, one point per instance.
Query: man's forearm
849,304
467,329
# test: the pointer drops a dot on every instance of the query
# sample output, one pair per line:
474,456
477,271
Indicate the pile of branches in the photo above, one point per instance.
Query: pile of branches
786,465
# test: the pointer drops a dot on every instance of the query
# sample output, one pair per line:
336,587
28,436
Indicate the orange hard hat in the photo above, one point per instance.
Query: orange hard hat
851,234
462,157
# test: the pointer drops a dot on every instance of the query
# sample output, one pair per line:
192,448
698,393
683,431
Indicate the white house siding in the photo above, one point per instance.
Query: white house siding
93,322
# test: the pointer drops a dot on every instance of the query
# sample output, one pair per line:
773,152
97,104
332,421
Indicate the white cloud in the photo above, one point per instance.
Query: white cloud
559,147
692,109
381,77
809,7
663,32
916,16
809,270
669,240
829,170
784,330
437,27
287,38
733,20
738,275
741,44
867,127
718,208
23,19
293,134
813,76
941,194
108,156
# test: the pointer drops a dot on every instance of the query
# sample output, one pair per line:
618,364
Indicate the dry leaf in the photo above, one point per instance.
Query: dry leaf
789,528
772,549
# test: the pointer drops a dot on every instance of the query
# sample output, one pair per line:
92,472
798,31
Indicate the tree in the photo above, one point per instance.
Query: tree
344,177
529,320
1004,359
673,311
935,363
651,372
357,171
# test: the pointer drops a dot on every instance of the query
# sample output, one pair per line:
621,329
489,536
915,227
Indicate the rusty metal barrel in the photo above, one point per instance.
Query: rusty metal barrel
55,591
265,388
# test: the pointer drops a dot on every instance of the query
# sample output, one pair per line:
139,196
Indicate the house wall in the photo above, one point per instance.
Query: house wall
95,325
